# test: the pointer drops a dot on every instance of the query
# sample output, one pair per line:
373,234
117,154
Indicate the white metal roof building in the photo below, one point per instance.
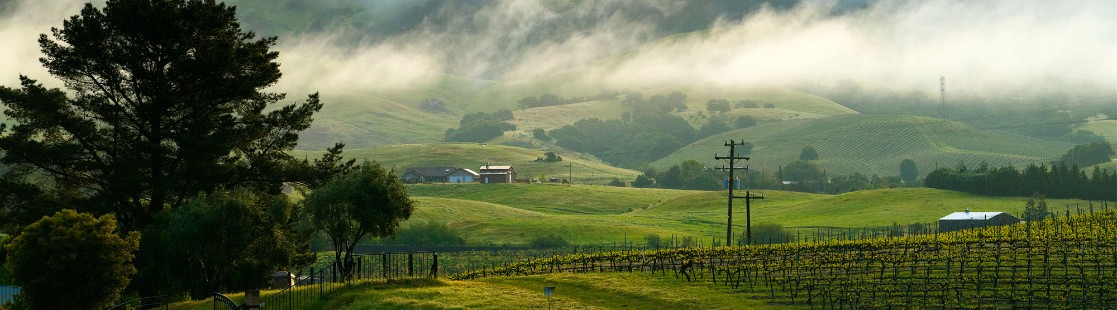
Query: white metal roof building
967,220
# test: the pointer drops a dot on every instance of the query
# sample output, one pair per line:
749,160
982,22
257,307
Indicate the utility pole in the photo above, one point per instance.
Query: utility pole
733,158
942,95
570,174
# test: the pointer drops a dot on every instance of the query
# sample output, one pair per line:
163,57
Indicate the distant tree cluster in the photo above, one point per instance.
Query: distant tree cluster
648,137
1058,181
433,105
549,99
673,102
481,127
723,105
549,157
1085,155
689,174
718,106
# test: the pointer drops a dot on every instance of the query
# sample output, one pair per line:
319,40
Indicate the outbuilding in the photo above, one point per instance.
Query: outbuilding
497,174
967,220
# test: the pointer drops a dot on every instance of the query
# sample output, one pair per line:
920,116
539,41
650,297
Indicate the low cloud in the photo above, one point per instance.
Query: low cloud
977,45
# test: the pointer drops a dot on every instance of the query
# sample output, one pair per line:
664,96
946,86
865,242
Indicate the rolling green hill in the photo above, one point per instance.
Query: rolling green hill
516,213
472,156
875,144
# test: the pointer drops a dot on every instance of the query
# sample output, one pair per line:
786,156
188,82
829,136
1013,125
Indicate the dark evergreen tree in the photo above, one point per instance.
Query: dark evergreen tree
908,171
808,153
165,100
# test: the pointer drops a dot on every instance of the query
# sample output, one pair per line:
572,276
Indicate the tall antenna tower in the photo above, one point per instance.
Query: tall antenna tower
942,94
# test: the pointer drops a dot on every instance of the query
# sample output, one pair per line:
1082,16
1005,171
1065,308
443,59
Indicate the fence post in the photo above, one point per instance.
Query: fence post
410,266
384,264
434,266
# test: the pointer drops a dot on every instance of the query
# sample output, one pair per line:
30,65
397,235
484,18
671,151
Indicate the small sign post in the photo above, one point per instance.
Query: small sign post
548,291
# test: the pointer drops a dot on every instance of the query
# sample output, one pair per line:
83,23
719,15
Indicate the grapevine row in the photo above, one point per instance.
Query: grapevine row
1068,262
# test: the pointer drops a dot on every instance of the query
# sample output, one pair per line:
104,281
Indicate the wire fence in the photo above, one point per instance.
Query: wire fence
309,285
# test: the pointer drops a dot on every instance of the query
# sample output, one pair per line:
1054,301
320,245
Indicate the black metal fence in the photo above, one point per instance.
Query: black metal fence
313,283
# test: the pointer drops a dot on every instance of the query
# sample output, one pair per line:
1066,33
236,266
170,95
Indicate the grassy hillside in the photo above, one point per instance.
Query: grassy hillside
875,144
516,213
472,156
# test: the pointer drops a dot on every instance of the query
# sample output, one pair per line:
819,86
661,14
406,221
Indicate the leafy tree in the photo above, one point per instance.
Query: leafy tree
549,157
908,171
72,260
166,102
433,105
718,105
1084,155
616,182
541,135
369,201
689,174
643,181
224,241
808,153
801,171
481,127
1036,208
652,240
744,122
713,127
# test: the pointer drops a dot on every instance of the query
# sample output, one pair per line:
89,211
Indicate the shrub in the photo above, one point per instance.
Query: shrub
769,233
548,241
72,260
427,234
652,240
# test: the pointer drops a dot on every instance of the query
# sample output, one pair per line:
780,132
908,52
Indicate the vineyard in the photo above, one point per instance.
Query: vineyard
1065,262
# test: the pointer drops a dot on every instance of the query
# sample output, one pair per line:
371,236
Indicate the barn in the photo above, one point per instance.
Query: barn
967,220
497,174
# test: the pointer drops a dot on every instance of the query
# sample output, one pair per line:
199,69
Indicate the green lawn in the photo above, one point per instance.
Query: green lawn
572,291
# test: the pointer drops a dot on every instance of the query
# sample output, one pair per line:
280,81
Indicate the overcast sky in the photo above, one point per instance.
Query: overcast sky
896,44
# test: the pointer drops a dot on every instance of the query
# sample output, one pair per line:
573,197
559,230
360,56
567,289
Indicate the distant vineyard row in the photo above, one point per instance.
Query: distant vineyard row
1067,262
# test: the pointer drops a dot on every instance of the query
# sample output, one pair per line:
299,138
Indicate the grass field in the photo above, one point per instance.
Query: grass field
473,155
516,213
572,291
874,144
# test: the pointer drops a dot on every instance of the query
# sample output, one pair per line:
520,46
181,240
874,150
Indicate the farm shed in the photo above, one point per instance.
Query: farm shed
463,176
439,174
967,220
497,174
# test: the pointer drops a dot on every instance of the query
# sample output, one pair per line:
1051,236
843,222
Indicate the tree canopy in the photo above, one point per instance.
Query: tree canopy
165,100
224,242
908,171
370,201
72,260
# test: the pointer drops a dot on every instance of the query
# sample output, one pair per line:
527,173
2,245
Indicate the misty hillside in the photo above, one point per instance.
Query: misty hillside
876,144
